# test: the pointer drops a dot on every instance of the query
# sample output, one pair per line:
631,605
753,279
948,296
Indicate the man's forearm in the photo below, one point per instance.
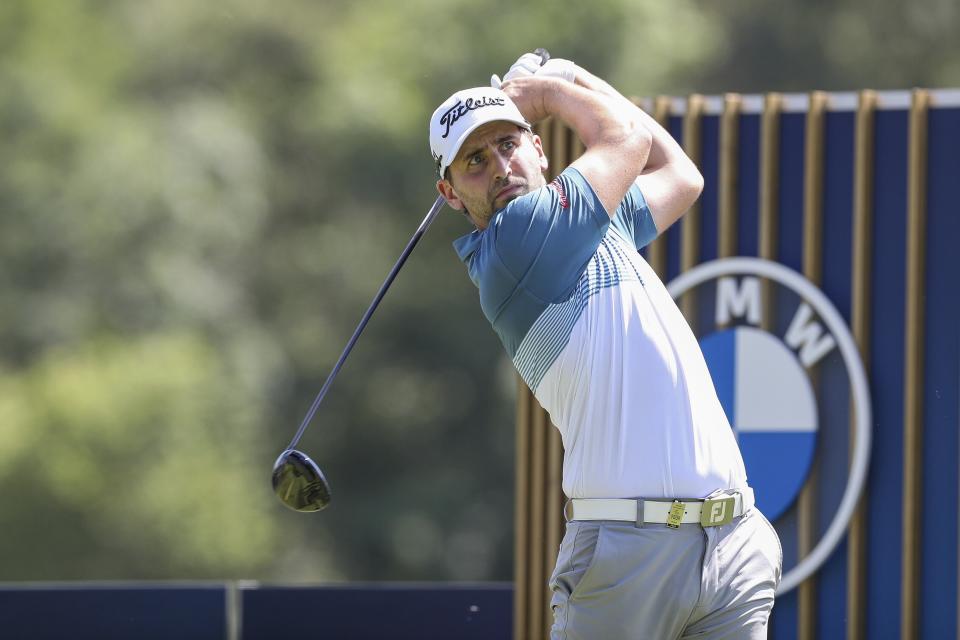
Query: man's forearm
597,117
617,142
664,148
670,181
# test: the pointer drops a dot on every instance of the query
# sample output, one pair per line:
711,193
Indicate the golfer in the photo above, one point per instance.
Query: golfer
663,539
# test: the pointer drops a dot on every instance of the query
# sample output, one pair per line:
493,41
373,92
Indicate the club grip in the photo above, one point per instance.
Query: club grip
543,53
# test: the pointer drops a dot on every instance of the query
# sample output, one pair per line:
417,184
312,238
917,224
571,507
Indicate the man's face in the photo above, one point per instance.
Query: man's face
497,163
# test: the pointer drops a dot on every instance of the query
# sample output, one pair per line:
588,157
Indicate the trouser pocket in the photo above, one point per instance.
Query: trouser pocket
578,553
775,540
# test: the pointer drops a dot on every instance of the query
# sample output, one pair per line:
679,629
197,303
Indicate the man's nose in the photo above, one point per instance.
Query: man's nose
501,165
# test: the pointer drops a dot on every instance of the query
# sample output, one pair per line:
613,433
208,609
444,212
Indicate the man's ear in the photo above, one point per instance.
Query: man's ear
538,143
446,190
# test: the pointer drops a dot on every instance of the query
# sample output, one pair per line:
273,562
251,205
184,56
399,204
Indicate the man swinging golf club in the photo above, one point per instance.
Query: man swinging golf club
662,539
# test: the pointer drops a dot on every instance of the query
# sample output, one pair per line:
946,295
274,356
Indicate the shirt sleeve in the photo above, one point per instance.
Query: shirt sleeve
546,239
634,220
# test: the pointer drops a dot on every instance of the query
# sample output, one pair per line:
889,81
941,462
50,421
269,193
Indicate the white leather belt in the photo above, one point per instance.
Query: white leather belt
716,510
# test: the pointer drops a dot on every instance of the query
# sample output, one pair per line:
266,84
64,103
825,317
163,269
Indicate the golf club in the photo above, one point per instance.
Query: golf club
297,480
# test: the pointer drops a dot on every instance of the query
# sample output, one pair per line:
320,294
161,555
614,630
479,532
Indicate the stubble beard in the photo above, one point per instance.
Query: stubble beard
490,206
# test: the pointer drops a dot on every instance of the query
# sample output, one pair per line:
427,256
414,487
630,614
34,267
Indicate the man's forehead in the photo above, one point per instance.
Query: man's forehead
488,133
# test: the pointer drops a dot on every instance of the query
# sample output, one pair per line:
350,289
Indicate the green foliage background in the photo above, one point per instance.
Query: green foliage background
198,201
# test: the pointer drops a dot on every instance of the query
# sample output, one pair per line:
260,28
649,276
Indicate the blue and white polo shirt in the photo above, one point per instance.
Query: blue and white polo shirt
602,345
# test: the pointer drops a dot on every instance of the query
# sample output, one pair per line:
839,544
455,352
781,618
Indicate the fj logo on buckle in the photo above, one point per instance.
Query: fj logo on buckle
717,512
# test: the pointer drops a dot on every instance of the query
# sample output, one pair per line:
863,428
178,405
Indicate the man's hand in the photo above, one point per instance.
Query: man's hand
528,93
530,64
558,68
525,66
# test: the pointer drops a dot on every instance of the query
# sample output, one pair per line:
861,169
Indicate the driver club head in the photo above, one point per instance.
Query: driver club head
299,483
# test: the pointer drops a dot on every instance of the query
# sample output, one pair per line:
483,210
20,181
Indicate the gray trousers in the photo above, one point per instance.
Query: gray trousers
616,581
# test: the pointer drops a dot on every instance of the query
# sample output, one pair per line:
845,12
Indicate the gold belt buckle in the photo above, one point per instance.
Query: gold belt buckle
717,512
675,517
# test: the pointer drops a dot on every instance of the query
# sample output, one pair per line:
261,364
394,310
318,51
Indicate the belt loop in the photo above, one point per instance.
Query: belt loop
639,523
568,510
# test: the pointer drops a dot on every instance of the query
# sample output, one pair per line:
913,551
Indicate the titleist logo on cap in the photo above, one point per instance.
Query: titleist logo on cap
457,111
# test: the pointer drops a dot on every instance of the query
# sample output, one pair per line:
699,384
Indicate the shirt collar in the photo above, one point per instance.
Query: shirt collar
466,245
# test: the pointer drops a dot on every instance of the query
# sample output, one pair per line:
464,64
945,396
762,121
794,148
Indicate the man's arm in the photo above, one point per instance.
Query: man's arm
616,139
670,181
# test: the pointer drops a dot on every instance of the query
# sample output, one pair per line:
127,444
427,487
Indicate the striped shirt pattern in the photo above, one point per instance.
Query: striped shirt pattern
550,333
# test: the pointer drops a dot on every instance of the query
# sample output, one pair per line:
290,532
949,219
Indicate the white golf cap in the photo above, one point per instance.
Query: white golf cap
461,114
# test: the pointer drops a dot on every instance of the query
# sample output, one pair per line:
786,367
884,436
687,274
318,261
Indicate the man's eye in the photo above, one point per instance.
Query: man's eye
509,144
473,160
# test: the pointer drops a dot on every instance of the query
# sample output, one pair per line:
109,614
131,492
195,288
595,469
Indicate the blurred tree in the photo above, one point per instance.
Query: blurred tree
129,458
835,46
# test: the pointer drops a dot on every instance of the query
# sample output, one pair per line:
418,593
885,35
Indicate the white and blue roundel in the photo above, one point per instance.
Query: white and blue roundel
770,404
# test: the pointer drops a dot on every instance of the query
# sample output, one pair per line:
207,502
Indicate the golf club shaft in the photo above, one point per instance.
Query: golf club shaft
427,221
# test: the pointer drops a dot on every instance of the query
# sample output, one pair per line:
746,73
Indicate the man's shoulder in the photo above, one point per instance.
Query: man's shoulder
560,188
523,205
543,203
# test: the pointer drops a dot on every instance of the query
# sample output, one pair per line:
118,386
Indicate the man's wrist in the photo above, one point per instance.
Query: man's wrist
535,96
